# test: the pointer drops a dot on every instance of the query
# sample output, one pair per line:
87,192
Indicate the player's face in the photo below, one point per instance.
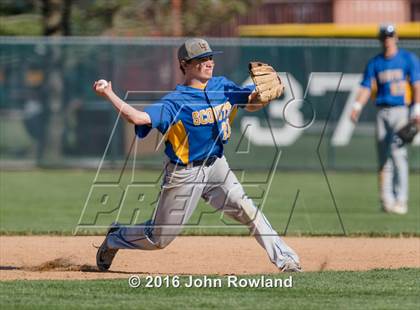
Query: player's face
389,42
202,68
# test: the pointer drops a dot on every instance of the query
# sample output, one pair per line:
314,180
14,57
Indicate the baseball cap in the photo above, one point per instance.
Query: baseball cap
386,30
195,48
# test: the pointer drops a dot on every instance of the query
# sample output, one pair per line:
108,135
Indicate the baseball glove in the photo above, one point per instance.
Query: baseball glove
267,83
408,132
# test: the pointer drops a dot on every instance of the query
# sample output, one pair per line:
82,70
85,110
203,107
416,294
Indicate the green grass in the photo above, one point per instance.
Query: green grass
377,289
43,201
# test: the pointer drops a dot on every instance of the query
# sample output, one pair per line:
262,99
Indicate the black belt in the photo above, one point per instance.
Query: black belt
387,106
201,162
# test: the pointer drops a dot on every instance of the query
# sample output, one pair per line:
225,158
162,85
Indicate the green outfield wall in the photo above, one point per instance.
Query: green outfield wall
49,115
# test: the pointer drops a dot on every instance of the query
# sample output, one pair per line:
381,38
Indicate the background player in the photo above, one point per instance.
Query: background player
195,119
390,73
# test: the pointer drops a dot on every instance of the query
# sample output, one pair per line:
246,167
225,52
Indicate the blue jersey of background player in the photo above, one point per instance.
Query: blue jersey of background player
196,122
392,74
392,77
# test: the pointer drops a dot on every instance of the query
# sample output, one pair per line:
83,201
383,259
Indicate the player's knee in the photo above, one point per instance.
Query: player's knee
233,203
249,208
235,198
243,207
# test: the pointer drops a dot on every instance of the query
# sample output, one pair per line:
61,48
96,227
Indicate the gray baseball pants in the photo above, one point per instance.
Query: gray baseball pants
181,190
392,155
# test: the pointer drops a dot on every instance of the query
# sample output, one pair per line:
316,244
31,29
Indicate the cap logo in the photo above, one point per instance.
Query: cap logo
203,46
197,48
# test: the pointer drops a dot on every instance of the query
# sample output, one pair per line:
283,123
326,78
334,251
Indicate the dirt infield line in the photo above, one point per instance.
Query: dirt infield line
57,257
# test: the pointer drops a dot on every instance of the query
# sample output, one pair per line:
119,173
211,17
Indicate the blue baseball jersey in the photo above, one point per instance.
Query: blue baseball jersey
196,122
392,77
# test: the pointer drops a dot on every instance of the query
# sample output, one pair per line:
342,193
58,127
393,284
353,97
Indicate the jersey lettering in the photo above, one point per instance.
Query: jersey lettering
205,116
391,75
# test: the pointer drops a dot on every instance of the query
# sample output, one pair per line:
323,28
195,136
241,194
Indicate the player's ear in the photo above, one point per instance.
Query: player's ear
182,65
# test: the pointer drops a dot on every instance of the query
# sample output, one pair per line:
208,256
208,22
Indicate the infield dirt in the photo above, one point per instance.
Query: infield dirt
57,257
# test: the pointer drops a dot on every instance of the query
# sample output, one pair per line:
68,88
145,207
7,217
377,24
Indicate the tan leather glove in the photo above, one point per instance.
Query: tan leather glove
267,82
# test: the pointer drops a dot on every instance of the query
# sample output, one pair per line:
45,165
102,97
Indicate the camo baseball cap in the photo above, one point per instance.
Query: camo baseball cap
194,49
386,30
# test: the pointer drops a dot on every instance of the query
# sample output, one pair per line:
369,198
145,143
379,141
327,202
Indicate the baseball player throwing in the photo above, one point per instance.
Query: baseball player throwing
195,120
390,73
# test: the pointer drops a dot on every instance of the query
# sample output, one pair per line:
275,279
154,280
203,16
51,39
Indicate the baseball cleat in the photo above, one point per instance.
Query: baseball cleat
105,255
291,266
400,208
397,208
387,208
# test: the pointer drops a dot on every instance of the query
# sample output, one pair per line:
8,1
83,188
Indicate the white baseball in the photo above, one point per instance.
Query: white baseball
102,84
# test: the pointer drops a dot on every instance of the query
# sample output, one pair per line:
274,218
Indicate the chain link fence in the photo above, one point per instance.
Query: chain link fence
50,117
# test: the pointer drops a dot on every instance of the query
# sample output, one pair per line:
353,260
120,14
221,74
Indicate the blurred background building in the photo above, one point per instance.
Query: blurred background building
191,17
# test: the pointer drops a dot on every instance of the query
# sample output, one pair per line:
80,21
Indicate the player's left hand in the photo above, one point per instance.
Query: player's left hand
268,85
